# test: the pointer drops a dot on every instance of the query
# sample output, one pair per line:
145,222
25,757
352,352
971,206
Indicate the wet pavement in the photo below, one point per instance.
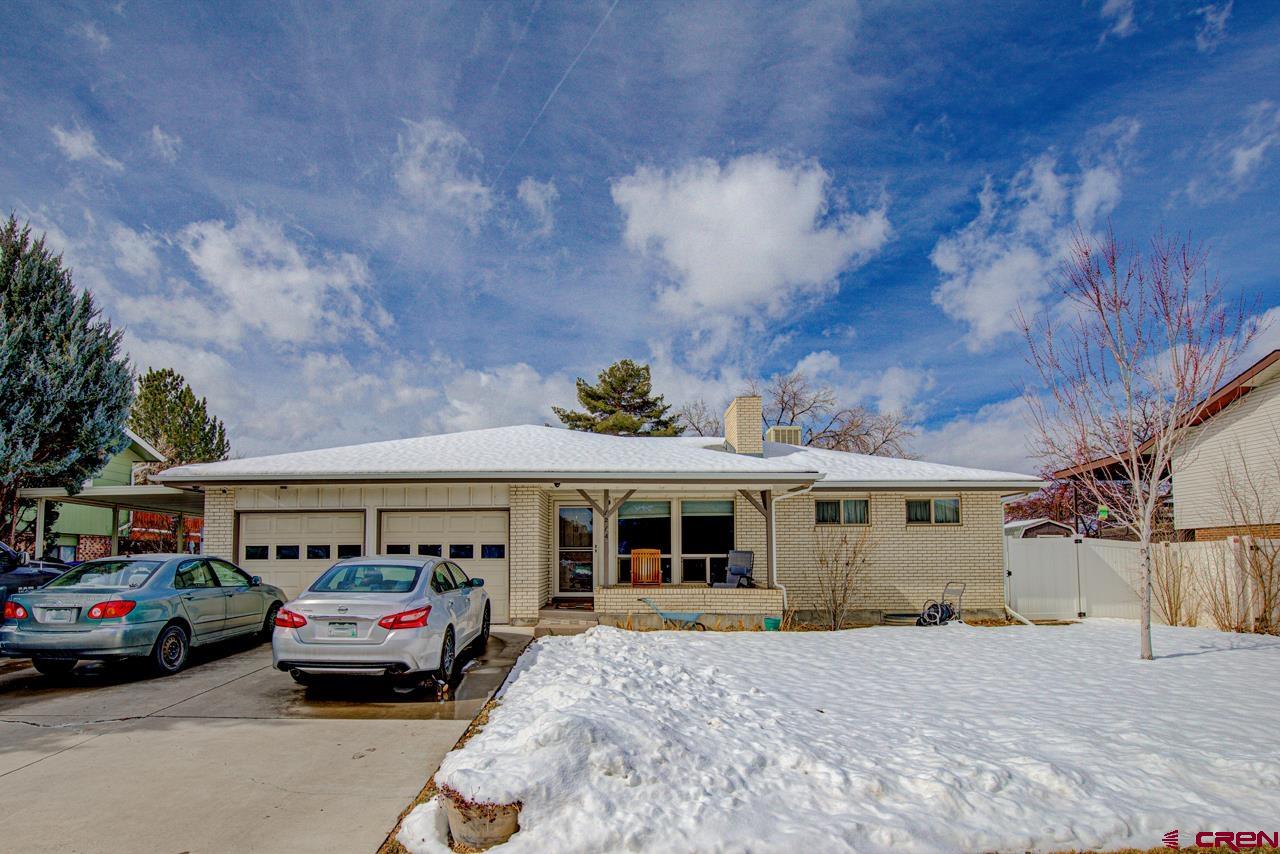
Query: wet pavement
278,766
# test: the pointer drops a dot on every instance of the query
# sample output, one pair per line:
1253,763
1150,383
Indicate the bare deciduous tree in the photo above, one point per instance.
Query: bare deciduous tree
842,556
700,418
1127,361
1175,586
794,400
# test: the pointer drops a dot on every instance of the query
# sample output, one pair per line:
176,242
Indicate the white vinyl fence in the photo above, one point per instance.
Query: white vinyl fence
1062,578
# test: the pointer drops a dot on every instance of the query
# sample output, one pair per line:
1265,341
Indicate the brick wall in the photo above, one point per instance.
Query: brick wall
1266,532
909,564
530,552
91,546
219,522
724,609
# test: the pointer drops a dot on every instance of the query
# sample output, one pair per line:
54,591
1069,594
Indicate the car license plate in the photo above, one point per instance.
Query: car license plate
342,630
59,615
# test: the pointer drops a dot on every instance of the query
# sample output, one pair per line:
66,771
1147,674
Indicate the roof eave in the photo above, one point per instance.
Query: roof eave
910,485
570,477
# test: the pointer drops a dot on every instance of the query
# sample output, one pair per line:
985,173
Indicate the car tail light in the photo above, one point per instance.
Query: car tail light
287,619
113,608
14,611
415,619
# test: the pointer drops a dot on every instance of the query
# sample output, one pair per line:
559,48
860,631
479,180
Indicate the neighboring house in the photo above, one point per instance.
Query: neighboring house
82,532
1226,476
1027,529
542,513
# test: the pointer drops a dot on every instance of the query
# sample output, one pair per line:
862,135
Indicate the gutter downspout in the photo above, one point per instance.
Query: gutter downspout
773,540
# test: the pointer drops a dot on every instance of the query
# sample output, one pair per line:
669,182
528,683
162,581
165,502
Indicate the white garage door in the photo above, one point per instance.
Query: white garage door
290,550
476,540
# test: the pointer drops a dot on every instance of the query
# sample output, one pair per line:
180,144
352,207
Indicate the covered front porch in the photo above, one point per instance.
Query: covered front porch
593,531
182,505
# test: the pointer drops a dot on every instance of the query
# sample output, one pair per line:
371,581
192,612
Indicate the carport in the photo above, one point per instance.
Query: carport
147,498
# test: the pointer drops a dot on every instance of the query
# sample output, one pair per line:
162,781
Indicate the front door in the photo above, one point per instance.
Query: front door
575,550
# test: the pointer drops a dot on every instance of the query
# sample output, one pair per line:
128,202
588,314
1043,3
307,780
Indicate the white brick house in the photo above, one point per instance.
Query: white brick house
547,514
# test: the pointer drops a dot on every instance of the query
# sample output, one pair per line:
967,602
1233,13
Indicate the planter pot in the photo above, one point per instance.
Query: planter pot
481,825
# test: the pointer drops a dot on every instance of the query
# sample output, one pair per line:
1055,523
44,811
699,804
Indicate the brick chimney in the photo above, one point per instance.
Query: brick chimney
742,425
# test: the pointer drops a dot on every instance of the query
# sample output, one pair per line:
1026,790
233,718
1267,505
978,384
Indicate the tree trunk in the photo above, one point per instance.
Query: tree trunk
1145,627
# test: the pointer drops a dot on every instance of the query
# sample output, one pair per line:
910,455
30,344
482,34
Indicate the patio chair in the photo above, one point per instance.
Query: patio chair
738,573
646,568
680,619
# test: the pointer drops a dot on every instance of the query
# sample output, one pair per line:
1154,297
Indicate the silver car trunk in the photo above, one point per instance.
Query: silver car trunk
349,618
67,609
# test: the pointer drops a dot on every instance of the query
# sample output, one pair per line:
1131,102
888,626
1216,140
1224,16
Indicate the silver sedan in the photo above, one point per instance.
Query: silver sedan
400,617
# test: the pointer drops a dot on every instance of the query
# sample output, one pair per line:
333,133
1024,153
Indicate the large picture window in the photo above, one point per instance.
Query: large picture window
644,525
706,538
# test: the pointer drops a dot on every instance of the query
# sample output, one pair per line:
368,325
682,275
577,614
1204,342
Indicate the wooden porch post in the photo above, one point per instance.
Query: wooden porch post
115,530
764,506
38,545
182,542
606,512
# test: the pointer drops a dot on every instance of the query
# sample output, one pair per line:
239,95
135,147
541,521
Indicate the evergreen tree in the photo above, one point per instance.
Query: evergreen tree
621,403
168,414
65,389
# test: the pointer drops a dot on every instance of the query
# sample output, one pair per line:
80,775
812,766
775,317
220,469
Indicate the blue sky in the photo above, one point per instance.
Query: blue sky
353,222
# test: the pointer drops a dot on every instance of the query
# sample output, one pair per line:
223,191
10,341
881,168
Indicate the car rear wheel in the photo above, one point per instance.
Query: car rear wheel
270,625
53,666
448,656
169,655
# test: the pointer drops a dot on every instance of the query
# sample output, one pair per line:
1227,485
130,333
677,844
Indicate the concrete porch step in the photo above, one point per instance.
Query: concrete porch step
563,621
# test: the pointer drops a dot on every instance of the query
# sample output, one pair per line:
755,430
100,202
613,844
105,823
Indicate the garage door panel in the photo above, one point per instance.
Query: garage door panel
470,528
337,533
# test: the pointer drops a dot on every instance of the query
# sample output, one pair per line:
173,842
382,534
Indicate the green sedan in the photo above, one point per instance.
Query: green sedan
155,607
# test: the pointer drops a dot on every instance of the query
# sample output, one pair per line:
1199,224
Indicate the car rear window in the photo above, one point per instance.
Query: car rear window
107,573
367,578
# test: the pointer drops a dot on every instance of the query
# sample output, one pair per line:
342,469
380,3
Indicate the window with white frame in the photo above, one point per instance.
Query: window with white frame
706,538
693,535
933,511
842,511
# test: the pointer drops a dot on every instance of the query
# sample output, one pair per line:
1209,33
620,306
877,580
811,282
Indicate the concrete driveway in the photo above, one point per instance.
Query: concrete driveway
229,755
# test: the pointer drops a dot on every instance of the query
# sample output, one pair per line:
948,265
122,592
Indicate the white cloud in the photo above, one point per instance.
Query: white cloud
92,33
749,236
1118,14
79,144
1213,25
1005,257
818,363
538,198
135,253
1234,159
499,396
898,389
435,169
271,285
165,145
1266,337
994,437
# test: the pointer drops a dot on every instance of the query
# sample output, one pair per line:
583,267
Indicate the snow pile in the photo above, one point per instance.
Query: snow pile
951,738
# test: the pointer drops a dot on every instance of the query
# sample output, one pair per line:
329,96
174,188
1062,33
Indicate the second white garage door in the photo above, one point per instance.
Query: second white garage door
290,550
476,540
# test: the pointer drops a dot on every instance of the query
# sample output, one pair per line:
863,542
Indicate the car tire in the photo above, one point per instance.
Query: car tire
269,625
448,656
169,655
482,639
53,666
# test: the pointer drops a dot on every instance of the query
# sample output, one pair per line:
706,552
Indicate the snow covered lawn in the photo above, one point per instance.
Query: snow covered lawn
952,738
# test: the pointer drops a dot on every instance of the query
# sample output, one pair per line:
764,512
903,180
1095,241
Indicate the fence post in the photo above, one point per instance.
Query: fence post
1081,611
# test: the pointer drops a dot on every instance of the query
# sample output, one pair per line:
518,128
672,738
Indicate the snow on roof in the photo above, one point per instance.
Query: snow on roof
1022,524
533,452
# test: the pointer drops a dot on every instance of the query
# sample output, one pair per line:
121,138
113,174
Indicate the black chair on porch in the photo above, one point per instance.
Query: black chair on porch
738,573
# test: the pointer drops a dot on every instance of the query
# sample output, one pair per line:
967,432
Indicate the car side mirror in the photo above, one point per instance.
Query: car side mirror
476,582
255,581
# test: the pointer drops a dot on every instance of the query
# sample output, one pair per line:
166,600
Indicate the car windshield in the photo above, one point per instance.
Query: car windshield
107,573
367,578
